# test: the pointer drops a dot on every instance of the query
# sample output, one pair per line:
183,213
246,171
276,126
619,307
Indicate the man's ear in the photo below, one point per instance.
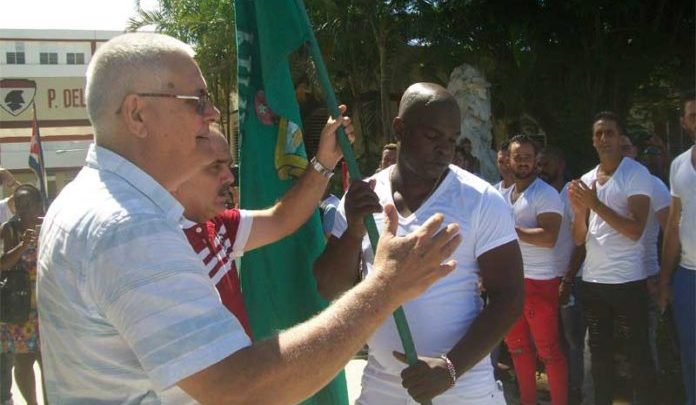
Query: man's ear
399,127
132,115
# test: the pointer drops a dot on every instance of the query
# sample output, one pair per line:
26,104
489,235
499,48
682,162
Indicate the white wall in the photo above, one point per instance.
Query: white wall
57,154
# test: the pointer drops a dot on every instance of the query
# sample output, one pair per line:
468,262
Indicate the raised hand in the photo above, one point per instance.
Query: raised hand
29,238
329,151
408,265
581,195
361,201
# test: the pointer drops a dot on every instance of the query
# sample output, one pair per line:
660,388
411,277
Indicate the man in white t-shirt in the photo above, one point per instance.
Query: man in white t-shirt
452,332
538,213
610,207
551,166
657,219
502,162
127,311
679,251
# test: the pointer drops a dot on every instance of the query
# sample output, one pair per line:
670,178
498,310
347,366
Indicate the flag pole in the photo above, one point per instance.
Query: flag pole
332,104
43,181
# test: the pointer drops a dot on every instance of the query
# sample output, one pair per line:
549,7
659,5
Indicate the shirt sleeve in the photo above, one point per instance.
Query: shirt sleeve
548,202
674,167
639,182
660,198
495,225
153,289
241,221
340,223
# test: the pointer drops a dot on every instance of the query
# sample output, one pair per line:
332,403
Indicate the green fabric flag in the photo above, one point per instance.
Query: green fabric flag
277,280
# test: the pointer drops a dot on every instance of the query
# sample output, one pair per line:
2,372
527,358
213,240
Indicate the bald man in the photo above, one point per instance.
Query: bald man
451,330
127,311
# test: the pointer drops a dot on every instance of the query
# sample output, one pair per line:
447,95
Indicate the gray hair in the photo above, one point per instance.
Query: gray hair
120,64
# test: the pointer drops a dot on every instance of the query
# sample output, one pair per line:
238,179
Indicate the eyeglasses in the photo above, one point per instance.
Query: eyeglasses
202,100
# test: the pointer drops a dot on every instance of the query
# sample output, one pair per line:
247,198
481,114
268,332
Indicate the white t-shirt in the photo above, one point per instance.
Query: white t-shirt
659,200
565,245
5,211
613,258
502,189
441,316
682,178
539,198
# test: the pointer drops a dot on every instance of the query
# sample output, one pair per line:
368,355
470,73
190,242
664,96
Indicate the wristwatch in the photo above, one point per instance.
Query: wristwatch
323,170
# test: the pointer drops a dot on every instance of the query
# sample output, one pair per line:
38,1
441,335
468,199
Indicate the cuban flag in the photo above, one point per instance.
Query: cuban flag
36,158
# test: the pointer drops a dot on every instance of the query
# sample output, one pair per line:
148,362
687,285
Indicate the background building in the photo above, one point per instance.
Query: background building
46,68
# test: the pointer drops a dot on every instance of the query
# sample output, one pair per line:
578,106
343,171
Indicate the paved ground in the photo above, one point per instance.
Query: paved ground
354,371
353,374
17,397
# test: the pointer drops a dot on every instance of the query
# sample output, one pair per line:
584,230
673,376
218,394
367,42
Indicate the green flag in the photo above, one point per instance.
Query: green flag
277,280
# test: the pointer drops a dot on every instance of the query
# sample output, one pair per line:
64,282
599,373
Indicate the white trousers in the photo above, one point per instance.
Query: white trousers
380,392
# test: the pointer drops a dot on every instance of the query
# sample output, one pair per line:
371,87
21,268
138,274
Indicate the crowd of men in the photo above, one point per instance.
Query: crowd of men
139,299
603,272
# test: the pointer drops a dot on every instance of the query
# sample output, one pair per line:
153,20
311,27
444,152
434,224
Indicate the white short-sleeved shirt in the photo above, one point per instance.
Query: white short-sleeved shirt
613,258
126,308
682,179
441,316
5,211
659,200
501,188
565,245
540,263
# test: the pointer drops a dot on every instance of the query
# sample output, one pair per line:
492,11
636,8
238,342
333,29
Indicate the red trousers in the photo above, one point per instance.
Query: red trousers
537,332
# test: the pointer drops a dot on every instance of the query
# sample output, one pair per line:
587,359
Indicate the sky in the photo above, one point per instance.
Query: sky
109,15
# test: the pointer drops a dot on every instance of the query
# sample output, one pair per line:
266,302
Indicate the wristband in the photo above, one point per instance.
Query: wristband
323,170
450,368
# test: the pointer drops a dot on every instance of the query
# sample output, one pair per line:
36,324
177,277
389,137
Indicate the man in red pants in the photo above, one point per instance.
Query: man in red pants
538,212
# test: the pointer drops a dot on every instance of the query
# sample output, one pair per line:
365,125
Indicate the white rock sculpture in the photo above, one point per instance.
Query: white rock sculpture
473,95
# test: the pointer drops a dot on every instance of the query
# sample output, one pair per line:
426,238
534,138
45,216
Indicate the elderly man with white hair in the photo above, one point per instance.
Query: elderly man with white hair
127,311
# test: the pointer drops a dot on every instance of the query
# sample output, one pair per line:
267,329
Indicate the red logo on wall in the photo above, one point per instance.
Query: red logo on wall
16,95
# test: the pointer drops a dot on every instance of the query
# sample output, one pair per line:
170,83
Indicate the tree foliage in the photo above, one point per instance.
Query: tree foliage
558,61
561,61
207,25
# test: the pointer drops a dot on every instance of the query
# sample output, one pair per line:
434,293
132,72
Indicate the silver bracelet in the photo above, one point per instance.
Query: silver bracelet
323,170
450,368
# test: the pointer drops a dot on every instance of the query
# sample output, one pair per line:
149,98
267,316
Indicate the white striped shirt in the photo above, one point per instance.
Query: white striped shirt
126,309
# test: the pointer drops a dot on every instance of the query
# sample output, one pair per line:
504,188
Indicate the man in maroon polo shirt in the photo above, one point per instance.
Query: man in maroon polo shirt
219,235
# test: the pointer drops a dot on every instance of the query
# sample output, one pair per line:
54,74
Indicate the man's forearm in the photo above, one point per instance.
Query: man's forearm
579,229
537,236
296,206
576,260
336,270
487,330
10,258
629,227
671,251
303,359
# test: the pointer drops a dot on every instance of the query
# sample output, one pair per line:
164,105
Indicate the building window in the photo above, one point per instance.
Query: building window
15,58
75,58
48,58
